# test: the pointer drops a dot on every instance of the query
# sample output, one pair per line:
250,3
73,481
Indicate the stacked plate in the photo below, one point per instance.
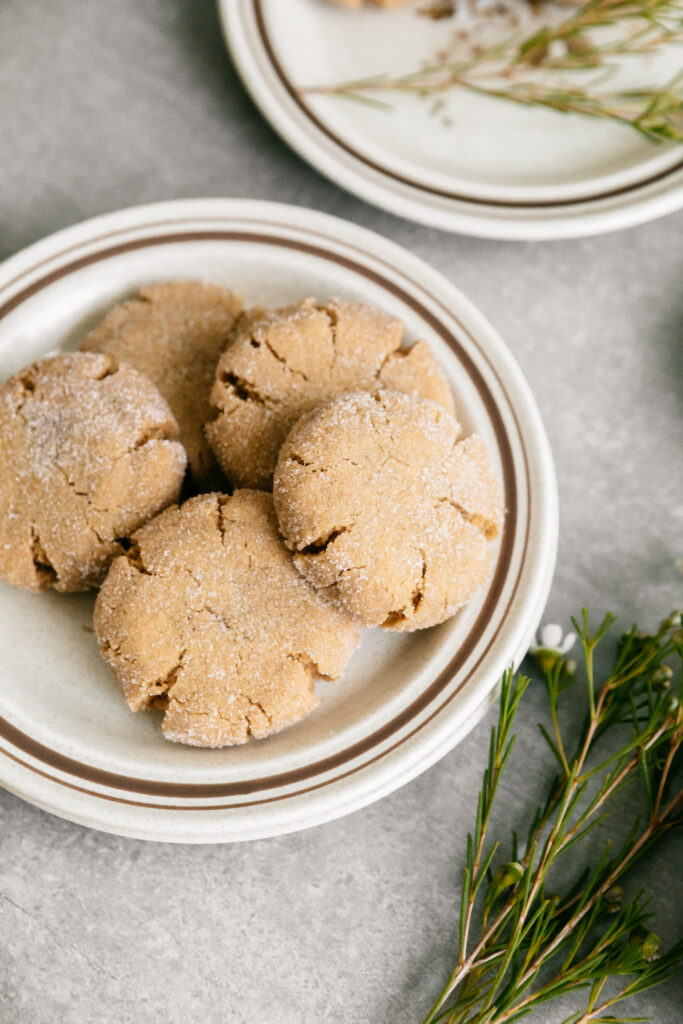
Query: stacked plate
468,163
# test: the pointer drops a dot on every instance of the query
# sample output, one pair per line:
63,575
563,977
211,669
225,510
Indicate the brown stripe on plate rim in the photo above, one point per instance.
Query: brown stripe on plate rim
207,790
511,204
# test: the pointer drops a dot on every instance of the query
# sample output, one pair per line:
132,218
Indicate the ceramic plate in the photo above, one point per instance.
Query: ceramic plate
474,165
67,741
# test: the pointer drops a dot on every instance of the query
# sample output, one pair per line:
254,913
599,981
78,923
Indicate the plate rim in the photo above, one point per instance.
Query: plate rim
143,219
332,156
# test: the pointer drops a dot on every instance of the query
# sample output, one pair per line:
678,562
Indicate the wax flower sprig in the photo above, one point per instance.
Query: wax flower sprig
562,67
524,939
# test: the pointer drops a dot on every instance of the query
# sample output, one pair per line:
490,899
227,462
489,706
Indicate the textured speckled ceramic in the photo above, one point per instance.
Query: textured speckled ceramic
68,742
471,164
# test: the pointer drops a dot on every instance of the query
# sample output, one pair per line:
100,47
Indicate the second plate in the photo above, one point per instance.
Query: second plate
469,164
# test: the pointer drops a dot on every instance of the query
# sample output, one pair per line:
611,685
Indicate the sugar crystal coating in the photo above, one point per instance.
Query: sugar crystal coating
174,333
387,508
207,618
284,362
88,452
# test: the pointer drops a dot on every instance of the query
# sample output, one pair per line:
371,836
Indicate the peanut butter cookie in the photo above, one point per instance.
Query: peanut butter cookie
88,452
388,509
206,618
283,363
174,333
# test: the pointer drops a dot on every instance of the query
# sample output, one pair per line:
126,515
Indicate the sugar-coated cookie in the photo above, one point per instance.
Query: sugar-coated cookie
207,618
174,333
283,363
388,509
88,452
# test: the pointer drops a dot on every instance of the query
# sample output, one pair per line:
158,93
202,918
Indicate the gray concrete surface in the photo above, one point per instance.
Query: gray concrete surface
110,103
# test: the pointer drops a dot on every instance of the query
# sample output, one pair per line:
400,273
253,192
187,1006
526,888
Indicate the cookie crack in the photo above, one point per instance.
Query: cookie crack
28,386
335,462
309,465
107,647
401,352
43,566
159,433
196,713
220,618
320,545
393,618
308,663
218,413
281,359
134,557
192,576
160,692
477,520
71,483
303,659
399,462
222,502
332,320
254,704
416,599
243,389
109,371
456,505
93,530
418,592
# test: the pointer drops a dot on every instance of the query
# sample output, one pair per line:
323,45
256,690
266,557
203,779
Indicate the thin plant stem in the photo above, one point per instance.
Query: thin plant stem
534,70
493,983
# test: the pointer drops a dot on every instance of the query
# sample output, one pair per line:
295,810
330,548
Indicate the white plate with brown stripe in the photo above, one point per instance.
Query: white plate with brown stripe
69,744
458,161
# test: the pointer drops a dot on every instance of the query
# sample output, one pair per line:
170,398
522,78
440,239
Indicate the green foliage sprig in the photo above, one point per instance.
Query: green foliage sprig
561,67
534,942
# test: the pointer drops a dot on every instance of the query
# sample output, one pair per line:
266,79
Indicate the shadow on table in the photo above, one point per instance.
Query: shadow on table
201,35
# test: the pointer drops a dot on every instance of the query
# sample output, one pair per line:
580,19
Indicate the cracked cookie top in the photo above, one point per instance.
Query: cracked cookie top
206,618
174,333
388,510
283,363
87,454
